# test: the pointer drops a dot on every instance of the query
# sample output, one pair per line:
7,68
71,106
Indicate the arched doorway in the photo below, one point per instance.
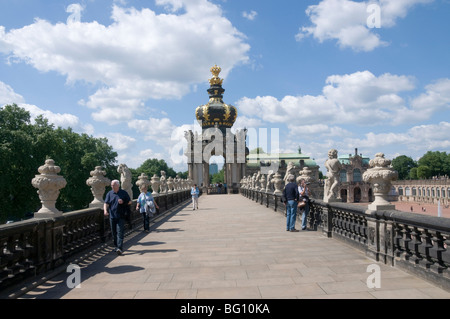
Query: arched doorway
357,194
344,195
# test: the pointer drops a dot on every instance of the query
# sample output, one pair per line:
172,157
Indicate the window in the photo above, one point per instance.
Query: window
357,175
407,191
343,176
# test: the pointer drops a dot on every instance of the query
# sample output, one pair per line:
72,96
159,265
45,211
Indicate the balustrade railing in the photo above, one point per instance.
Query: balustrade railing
31,247
416,243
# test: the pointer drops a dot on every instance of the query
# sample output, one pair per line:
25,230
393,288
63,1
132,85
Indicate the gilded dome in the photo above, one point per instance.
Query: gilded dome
216,113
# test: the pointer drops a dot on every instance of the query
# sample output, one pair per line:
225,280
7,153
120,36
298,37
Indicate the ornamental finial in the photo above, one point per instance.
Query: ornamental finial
215,70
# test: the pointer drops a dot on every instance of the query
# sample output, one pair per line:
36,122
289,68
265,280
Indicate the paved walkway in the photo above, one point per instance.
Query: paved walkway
232,248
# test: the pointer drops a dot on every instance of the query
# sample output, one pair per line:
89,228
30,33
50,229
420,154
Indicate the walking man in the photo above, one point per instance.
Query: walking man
291,195
116,206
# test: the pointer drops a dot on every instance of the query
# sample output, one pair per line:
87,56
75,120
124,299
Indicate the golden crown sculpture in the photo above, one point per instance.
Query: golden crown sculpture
215,80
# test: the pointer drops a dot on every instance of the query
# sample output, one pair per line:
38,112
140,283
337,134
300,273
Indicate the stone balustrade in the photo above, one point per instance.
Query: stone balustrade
35,246
418,244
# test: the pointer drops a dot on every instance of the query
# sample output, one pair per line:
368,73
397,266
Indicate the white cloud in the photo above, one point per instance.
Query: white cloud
359,98
347,21
64,120
250,15
141,55
8,96
120,142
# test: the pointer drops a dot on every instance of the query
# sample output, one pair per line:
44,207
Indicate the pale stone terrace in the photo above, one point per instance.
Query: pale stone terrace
232,248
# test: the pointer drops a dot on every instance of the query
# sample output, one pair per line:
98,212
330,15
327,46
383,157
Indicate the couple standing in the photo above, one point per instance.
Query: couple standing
292,195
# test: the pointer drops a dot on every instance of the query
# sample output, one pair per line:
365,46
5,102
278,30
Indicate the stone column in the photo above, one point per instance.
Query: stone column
380,176
98,182
49,183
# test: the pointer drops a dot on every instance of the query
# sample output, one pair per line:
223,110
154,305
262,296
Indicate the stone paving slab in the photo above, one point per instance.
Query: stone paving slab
232,248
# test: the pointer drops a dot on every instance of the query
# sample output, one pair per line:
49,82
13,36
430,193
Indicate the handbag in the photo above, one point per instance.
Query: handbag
301,204
150,208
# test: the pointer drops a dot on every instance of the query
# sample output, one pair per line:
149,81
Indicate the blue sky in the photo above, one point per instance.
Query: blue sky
323,73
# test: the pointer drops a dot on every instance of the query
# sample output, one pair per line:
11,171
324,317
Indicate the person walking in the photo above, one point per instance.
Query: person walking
147,206
290,196
195,192
304,194
116,206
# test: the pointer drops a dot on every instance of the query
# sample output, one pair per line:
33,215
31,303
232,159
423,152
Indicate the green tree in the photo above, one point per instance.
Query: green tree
423,172
413,173
437,162
151,167
403,165
25,146
218,177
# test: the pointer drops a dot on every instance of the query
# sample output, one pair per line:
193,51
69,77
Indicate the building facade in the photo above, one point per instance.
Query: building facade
430,191
352,188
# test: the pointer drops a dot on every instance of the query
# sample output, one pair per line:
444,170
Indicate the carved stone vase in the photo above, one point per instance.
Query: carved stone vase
277,181
170,185
142,181
155,184
98,182
380,176
48,184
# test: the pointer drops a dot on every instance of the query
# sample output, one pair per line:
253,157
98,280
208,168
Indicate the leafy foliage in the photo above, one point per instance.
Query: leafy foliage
25,146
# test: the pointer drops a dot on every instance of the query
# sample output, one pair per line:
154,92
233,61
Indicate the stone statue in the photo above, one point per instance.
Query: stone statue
257,181
289,170
269,181
125,179
163,183
333,167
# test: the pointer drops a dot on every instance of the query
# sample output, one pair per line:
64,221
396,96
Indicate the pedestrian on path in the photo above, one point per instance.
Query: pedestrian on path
304,194
147,206
195,192
290,199
116,206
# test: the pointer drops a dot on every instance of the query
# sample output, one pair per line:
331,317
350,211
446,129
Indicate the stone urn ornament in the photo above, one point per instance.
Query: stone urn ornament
155,185
170,185
98,182
277,181
48,184
142,181
380,176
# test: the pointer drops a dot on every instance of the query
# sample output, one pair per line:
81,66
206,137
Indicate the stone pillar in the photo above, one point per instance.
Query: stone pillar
98,182
49,183
380,176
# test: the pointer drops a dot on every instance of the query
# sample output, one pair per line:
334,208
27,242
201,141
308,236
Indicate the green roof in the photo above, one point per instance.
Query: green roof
287,157
345,159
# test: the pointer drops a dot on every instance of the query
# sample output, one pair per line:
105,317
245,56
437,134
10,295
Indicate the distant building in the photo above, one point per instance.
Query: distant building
429,191
352,188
